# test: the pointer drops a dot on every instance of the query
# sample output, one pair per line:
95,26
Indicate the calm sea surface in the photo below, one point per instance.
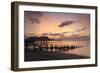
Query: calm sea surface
84,50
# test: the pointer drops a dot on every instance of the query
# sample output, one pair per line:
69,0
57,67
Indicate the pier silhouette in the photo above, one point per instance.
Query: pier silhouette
44,46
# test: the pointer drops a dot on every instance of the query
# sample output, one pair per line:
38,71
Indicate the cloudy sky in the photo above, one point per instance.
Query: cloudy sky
56,25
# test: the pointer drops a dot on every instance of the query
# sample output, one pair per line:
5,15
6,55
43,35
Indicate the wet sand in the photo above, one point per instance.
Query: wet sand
49,55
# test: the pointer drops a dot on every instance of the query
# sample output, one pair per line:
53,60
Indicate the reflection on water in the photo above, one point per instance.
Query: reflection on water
84,50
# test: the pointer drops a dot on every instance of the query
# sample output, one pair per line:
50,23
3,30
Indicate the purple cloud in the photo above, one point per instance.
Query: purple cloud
52,34
31,17
66,23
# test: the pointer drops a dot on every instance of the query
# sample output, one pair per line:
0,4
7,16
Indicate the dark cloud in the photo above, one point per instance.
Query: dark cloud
45,33
52,34
66,23
31,17
81,29
56,34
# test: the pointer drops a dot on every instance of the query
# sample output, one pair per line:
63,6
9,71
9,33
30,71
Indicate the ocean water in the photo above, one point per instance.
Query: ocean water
84,50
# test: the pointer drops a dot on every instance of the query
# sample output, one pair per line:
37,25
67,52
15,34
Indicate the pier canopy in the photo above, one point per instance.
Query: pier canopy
33,39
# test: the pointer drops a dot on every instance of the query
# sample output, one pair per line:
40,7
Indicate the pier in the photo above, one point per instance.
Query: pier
46,46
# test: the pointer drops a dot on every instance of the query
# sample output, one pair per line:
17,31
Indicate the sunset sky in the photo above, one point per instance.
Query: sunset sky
56,25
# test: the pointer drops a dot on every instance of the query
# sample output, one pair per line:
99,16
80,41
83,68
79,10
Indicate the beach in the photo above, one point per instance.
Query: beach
49,55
